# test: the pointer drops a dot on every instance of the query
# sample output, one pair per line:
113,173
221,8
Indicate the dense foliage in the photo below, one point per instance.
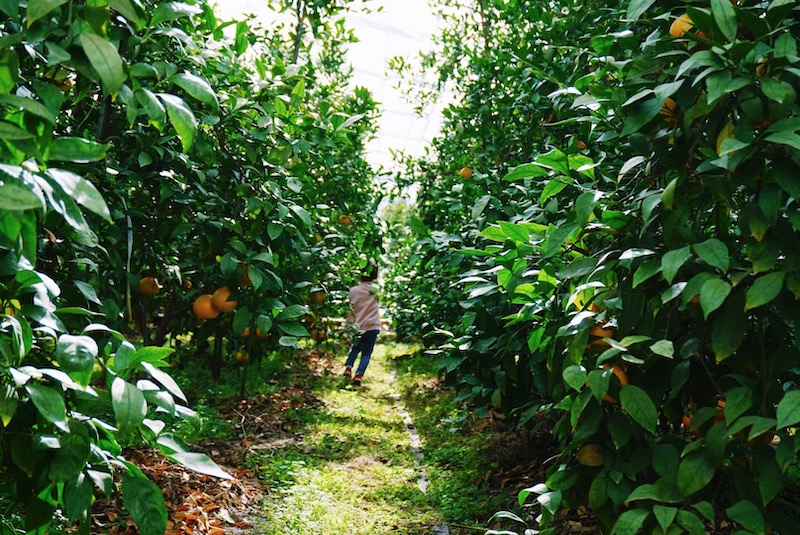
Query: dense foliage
152,154
626,241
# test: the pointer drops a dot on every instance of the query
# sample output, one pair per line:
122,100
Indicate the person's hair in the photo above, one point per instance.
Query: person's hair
370,273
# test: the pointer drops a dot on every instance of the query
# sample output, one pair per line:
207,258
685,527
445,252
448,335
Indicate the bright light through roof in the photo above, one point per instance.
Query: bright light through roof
402,28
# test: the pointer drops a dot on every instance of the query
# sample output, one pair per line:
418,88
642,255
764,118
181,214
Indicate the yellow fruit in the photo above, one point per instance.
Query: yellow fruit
590,455
683,25
669,111
621,376
203,307
466,172
318,237
220,300
149,286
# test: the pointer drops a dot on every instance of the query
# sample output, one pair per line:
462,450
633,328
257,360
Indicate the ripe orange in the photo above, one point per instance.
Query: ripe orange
318,237
683,25
246,332
245,276
203,307
345,219
686,421
316,298
761,66
149,286
186,284
582,145
220,300
669,111
260,334
466,172
242,356
621,376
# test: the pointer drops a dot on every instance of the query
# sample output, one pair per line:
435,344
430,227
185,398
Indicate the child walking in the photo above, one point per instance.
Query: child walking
365,316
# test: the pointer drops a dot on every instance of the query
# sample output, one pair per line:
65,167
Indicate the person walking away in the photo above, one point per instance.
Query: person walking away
365,316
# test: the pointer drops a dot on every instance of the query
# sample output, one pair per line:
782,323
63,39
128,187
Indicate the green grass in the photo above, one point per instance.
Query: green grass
353,471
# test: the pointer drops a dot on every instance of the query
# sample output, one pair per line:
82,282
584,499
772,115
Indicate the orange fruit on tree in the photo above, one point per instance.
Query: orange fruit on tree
203,307
246,332
242,356
220,300
149,286
683,25
260,334
466,172
186,284
622,377
345,219
316,298
668,111
582,145
246,276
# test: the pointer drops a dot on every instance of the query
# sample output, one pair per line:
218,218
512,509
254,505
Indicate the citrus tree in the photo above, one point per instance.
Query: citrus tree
645,277
147,161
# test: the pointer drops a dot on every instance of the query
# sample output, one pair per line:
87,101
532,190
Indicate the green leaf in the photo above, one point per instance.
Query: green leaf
78,493
9,400
778,91
105,59
637,7
145,503
725,17
789,409
712,294
553,187
293,312
691,523
196,87
527,170
672,261
39,8
200,463
729,329
49,403
129,405
694,473
71,458
165,379
156,113
747,515
292,328
14,133
664,515
639,406
127,10
663,348
76,149
714,253
34,107
76,356
182,119
764,289
630,522
517,233
574,376
646,271
173,11
81,190
152,354
9,70
737,402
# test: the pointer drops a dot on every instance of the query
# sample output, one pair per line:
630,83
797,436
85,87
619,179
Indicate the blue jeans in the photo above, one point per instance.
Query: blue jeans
363,344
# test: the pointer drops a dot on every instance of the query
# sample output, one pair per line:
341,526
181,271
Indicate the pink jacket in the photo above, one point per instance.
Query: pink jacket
364,301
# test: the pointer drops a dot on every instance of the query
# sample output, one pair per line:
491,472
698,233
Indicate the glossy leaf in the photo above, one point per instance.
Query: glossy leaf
725,17
764,289
200,463
76,356
145,503
714,253
672,261
694,473
39,8
129,405
789,409
105,59
182,119
639,406
747,515
50,403
713,295
196,87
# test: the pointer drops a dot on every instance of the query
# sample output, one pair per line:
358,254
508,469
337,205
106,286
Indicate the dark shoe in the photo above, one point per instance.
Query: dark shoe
357,380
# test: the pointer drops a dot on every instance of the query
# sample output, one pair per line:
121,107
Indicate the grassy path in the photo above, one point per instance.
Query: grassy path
350,468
